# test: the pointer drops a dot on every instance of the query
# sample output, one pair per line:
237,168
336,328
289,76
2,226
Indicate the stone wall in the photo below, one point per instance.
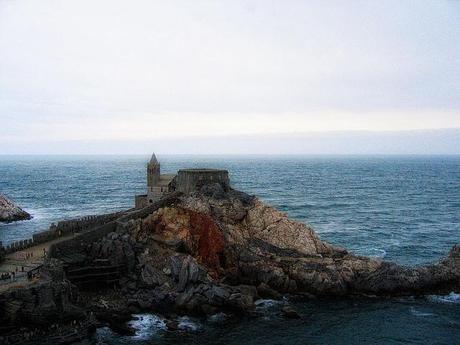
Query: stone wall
75,248
62,228
103,224
140,201
190,180
144,212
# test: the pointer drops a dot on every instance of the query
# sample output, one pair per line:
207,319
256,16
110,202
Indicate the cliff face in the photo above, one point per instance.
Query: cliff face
9,212
222,250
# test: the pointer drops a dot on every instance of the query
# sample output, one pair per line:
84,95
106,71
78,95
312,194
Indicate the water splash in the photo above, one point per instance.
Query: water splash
147,325
185,323
452,298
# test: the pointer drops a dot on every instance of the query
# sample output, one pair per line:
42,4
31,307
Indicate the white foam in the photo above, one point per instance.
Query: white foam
372,252
146,325
266,303
186,324
267,306
217,318
452,298
418,313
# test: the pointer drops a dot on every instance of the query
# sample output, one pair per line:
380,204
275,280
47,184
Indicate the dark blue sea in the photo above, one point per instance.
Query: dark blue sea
401,208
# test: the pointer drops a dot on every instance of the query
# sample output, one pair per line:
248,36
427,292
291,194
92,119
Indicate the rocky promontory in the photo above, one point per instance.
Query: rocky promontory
9,212
212,251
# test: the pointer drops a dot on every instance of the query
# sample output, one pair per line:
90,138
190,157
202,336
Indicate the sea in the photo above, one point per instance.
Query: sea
404,209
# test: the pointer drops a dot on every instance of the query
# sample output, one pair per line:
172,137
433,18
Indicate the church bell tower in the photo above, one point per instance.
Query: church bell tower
153,173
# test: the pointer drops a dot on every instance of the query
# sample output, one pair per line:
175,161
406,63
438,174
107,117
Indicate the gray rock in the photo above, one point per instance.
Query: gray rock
186,270
217,295
241,302
150,276
10,212
289,313
265,291
213,190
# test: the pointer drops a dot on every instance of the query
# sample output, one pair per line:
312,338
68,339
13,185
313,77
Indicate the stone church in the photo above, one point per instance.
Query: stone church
185,181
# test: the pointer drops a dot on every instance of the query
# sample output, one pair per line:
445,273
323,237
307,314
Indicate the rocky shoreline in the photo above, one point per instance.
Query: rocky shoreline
10,212
209,252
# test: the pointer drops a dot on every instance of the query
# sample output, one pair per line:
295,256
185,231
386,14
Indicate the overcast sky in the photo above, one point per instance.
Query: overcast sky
122,76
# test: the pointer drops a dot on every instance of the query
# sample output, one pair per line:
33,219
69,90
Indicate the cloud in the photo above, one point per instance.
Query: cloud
425,142
128,70
136,127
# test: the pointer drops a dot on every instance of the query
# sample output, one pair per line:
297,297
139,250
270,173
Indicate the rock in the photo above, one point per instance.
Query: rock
9,212
117,322
172,325
231,237
213,190
186,271
289,313
265,291
233,250
217,294
209,309
241,302
40,303
150,276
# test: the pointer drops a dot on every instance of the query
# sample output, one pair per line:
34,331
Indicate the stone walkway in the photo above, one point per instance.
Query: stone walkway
24,261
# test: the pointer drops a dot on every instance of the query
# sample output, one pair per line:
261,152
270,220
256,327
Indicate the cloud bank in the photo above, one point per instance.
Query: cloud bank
116,71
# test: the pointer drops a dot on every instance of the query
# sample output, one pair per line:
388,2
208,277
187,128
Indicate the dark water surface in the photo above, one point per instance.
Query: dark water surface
405,209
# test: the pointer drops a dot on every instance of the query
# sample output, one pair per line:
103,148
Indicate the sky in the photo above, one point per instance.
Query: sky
248,76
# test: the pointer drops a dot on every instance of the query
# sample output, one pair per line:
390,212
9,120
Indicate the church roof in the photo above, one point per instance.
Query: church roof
153,159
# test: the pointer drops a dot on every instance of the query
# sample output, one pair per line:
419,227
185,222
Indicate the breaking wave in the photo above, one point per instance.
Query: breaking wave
147,325
452,298
419,313
187,324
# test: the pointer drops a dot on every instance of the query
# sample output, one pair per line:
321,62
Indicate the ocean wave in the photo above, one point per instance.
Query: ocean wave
372,252
147,325
267,303
266,307
452,298
418,313
218,318
187,324
318,206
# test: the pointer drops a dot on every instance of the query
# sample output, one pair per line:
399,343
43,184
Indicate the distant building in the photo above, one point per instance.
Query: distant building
157,184
186,181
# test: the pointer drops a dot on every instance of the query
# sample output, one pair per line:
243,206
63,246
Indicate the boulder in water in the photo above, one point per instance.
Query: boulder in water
9,212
